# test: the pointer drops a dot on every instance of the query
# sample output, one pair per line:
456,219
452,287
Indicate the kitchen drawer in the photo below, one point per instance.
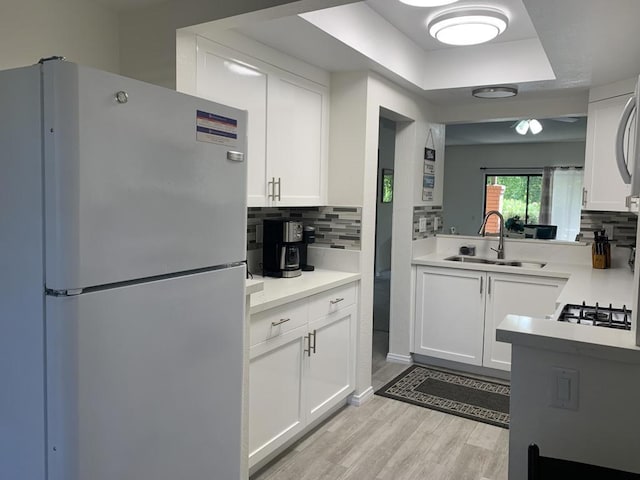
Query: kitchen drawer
277,321
332,301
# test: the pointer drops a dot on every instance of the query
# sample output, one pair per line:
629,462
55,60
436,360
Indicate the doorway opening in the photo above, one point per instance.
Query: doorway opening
382,262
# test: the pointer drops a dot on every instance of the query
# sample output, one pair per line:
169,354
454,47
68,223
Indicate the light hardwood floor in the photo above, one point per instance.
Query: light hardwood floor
390,440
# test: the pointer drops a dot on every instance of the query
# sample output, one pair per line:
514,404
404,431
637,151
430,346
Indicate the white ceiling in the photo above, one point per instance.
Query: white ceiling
587,42
584,43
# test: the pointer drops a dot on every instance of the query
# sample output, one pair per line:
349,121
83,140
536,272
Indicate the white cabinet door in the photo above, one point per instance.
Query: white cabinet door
450,314
519,295
225,76
287,129
296,154
330,363
604,188
276,393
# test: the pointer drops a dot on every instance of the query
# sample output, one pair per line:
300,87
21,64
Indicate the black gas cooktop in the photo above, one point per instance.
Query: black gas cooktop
597,315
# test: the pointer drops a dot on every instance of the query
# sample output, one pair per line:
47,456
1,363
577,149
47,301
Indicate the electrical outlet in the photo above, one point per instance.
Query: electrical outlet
422,227
436,223
564,388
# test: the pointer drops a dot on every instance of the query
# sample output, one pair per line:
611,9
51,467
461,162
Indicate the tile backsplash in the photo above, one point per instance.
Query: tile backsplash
624,225
336,227
430,213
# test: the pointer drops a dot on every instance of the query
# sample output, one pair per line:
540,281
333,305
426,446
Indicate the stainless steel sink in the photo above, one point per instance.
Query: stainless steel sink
505,263
459,258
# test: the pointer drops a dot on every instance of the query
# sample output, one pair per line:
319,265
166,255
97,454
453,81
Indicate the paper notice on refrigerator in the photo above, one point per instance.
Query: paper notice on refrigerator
213,128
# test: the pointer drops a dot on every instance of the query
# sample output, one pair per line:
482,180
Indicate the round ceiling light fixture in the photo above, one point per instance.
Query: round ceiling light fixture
468,26
427,3
494,92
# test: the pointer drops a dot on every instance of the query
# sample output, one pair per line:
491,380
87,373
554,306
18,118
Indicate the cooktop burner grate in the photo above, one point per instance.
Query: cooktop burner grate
609,317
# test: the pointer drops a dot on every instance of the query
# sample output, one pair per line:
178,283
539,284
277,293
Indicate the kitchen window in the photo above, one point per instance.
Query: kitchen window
548,196
516,196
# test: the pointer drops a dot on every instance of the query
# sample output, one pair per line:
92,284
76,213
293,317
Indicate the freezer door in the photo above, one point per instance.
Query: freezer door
139,180
144,382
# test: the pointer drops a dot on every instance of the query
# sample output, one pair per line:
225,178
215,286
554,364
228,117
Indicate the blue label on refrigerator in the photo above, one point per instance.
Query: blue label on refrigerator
213,128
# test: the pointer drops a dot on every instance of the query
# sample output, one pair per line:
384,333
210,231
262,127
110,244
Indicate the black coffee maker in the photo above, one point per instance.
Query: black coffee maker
308,237
282,239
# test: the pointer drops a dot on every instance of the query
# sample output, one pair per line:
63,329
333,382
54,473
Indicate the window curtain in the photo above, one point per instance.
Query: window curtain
565,187
546,195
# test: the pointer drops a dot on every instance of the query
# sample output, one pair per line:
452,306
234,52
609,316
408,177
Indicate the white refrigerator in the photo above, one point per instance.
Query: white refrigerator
122,232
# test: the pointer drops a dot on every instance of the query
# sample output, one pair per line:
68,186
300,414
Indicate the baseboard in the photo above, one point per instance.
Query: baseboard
359,400
396,358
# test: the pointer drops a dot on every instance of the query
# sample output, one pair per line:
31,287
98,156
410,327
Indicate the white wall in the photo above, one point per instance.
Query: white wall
353,169
384,215
602,431
463,179
84,32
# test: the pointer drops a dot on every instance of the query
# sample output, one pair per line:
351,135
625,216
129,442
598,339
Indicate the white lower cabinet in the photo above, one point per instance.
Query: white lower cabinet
450,314
514,294
457,312
330,366
275,393
304,368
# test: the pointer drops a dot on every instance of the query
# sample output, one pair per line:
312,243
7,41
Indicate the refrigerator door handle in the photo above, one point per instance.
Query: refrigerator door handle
620,155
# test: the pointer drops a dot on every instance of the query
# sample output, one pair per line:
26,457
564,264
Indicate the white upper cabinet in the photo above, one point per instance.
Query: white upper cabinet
296,152
288,123
603,186
225,80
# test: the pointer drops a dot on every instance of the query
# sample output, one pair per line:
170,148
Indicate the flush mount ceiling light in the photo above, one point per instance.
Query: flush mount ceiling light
523,126
468,26
494,92
427,3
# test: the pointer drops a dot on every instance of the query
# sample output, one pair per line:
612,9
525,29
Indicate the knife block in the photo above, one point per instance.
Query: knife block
601,260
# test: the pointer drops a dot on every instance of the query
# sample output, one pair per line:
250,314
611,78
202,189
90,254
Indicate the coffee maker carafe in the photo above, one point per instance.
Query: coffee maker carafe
281,248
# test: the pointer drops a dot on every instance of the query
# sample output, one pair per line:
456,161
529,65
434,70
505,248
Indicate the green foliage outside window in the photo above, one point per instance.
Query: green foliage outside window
515,196
387,186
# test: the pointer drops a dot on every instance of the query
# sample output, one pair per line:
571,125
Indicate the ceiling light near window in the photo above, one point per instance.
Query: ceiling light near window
428,3
468,26
523,126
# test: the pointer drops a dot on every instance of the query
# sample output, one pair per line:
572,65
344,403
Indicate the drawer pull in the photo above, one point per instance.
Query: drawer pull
282,320
337,300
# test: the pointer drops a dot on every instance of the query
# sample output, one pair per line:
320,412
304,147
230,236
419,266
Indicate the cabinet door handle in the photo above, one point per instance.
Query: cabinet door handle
314,342
282,320
481,282
279,189
271,189
489,286
311,347
584,197
337,300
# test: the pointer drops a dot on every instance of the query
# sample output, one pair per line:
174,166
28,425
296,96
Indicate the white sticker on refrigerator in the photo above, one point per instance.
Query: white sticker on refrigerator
214,128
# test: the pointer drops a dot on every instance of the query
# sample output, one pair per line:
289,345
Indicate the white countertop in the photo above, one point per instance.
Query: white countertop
253,286
612,285
279,291
584,283
609,343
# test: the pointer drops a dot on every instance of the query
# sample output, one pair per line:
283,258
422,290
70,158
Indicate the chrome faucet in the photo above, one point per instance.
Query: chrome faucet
500,249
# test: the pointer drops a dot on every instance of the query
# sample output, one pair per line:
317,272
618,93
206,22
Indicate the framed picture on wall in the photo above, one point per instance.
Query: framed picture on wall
386,186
